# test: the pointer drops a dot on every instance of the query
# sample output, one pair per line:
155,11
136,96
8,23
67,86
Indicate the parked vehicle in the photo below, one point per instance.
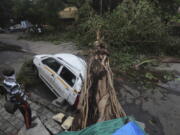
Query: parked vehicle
23,26
37,29
63,73
15,28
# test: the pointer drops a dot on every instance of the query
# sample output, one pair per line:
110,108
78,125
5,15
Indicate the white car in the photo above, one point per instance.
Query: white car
63,73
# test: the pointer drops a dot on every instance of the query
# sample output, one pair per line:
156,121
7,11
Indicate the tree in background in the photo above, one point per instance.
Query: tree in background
39,11
167,8
132,25
102,6
21,9
77,3
45,11
5,12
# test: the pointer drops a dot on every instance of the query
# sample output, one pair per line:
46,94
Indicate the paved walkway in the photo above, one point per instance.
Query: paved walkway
11,124
38,130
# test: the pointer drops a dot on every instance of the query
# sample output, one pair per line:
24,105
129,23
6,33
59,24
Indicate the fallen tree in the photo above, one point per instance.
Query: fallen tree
98,100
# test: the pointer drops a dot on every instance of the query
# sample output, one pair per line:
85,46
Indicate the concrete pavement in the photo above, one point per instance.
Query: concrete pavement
11,124
38,130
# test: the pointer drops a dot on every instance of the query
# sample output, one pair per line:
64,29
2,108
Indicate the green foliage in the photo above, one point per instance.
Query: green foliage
45,11
168,76
39,11
5,12
134,26
131,30
122,61
138,26
82,32
77,3
103,6
167,6
85,11
150,76
22,9
175,18
27,75
54,37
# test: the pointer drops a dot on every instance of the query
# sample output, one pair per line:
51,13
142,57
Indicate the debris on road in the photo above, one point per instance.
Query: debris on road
67,123
58,117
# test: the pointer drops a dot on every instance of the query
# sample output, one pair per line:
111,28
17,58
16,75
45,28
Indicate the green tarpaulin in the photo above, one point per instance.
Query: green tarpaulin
101,128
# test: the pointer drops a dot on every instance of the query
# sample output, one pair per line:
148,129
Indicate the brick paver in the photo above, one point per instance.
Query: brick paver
10,124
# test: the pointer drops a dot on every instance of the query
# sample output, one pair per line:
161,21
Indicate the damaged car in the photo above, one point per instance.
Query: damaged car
63,73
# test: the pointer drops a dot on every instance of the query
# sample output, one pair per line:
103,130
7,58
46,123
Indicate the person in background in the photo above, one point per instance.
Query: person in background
17,96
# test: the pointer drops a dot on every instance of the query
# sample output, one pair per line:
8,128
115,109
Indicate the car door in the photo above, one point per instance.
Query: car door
65,82
49,69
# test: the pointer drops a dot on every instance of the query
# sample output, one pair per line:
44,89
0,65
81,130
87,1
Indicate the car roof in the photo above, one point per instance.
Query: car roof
74,61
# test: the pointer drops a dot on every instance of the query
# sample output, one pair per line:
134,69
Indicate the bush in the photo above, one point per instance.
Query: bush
27,76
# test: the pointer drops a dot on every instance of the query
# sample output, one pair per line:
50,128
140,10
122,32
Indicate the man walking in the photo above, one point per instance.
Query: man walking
15,95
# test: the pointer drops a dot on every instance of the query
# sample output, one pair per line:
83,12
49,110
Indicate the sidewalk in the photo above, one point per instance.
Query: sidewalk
14,124
38,130
9,124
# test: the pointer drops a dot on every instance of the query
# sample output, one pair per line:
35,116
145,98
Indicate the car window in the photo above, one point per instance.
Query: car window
68,76
52,63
